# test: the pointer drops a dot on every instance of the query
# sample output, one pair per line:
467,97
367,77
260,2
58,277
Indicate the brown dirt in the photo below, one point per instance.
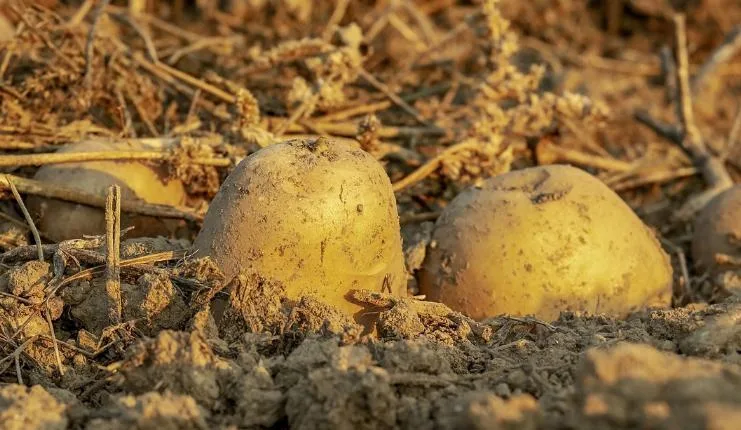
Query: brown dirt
443,94
306,367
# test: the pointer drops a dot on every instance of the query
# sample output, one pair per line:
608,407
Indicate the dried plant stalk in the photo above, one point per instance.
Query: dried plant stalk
29,219
76,157
53,191
712,167
112,249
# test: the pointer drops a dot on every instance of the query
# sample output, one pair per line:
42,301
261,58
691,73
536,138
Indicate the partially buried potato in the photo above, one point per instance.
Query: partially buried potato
62,220
317,215
718,231
543,240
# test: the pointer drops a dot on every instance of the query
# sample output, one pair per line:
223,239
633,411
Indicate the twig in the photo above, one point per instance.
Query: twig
380,86
142,113
20,299
410,35
112,250
363,109
669,131
174,76
29,219
334,20
128,128
184,77
18,371
432,165
303,109
78,157
87,354
530,320
726,259
653,177
367,108
586,140
88,274
53,335
692,140
178,85
9,52
148,43
80,249
712,167
518,343
164,26
733,140
378,25
10,91
465,25
90,42
82,11
727,50
413,218
137,6
193,109
669,71
18,351
614,12
580,59
200,44
350,129
43,35
55,191
425,23
685,285
548,153
95,386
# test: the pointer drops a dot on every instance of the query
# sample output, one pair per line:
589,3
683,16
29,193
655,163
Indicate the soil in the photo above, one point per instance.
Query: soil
443,93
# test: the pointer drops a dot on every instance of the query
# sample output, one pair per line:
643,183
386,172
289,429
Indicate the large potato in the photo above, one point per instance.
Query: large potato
317,215
718,230
62,220
543,240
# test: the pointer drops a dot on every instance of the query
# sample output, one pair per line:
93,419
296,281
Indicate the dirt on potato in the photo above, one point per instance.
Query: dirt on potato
444,94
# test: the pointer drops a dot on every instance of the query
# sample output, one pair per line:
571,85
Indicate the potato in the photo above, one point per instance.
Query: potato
316,215
543,240
62,220
718,230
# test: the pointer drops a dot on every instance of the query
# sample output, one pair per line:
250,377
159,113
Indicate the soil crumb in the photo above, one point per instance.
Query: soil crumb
30,408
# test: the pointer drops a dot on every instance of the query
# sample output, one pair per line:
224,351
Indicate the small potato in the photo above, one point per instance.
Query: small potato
62,220
316,215
543,240
718,231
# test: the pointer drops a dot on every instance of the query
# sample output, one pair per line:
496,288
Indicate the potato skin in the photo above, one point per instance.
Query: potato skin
317,215
543,240
715,227
62,220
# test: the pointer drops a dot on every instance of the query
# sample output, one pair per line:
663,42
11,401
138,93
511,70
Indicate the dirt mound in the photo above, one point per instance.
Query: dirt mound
430,368
632,386
31,408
